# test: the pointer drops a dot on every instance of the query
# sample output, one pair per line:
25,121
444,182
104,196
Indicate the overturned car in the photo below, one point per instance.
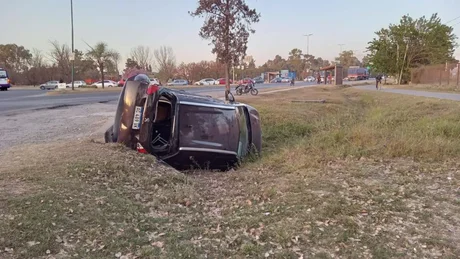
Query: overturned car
185,130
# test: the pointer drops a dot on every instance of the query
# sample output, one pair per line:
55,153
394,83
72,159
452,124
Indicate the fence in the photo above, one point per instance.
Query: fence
442,74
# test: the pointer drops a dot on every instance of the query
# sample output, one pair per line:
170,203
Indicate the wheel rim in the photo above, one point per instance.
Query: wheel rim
254,91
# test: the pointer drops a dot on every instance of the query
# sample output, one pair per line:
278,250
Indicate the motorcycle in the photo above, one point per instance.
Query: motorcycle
241,88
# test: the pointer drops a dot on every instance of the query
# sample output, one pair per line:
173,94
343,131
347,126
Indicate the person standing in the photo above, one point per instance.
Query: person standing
378,80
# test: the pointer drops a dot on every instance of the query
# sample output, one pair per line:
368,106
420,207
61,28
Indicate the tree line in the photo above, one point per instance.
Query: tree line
34,67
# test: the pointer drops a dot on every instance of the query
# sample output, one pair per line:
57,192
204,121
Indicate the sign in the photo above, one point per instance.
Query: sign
72,56
62,86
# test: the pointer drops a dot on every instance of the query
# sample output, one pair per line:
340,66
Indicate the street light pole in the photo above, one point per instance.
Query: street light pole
73,49
308,41
341,47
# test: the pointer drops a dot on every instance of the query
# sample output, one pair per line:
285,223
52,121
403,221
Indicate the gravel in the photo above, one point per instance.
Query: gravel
41,126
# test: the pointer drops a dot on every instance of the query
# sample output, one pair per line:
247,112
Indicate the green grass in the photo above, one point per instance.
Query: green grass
366,174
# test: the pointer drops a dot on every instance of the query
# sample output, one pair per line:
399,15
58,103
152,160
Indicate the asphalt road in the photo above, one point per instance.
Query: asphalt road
446,96
20,100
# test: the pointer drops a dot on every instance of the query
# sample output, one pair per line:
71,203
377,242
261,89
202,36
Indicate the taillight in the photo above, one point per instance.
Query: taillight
8,80
141,149
152,89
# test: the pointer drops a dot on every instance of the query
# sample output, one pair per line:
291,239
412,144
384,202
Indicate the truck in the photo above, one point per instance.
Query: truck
357,73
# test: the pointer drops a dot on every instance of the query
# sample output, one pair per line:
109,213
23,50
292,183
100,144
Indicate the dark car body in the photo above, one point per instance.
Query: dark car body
185,130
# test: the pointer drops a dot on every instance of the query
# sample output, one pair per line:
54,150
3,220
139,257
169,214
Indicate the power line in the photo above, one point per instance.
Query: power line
455,24
453,19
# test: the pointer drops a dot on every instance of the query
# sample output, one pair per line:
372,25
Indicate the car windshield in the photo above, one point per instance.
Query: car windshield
3,74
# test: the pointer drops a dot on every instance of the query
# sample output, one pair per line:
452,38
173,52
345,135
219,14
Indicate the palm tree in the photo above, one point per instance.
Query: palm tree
102,56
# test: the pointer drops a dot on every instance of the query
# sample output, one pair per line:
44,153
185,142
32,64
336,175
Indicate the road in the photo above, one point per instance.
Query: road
21,100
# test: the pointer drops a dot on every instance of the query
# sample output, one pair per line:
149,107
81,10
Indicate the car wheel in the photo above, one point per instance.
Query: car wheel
42,87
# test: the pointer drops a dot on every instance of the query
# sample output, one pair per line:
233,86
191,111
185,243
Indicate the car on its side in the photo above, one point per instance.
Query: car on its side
182,129
5,81
206,81
107,83
76,84
177,82
258,80
53,84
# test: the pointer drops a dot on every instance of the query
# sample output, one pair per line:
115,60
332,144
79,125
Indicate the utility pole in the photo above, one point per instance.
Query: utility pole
73,47
308,42
341,47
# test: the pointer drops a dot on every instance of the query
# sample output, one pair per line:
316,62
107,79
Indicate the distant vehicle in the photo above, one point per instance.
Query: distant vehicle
221,81
107,83
206,81
258,80
357,73
154,80
309,79
246,81
285,80
183,129
5,81
276,80
121,82
49,85
177,82
76,84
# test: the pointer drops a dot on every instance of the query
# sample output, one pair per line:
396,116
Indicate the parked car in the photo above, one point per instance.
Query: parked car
155,81
258,80
121,82
221,81
177,82
76,84
276,80
5,81
246,80
107,83
285,79
309,79
49,85
183,129
206,81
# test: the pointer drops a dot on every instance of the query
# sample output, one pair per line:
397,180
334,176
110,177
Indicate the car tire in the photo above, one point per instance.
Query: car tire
42,87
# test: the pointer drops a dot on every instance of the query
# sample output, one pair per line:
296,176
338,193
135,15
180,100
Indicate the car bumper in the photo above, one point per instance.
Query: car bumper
5,85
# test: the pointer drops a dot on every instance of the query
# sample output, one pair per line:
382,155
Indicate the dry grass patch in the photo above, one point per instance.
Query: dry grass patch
427,87
365,175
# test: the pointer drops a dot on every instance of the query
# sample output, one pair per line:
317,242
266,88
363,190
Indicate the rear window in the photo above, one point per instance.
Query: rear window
3,74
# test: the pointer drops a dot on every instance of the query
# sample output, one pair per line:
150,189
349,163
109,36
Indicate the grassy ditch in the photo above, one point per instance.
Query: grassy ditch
366,174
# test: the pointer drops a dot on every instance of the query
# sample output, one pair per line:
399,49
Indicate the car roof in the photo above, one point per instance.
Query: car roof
183,96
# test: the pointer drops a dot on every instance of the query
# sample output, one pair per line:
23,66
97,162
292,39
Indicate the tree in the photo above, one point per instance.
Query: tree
347,59
143,56
411,43
60,55
102,56
15,58
227,25
166,61
296,61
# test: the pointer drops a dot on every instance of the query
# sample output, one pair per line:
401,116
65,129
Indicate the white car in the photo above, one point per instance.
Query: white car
107,83
206,81
309,79
154,81
76,84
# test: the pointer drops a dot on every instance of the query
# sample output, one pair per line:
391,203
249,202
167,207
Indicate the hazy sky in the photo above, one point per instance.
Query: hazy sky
124,24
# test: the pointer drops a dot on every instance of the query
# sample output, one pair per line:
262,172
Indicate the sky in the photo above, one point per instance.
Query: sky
124,24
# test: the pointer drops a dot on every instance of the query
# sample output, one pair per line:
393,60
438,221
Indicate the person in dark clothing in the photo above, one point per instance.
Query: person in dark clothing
378,80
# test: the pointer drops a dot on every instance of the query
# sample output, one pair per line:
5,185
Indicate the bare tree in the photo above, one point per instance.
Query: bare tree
142,55
166,61
60,55
37,59
227,25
